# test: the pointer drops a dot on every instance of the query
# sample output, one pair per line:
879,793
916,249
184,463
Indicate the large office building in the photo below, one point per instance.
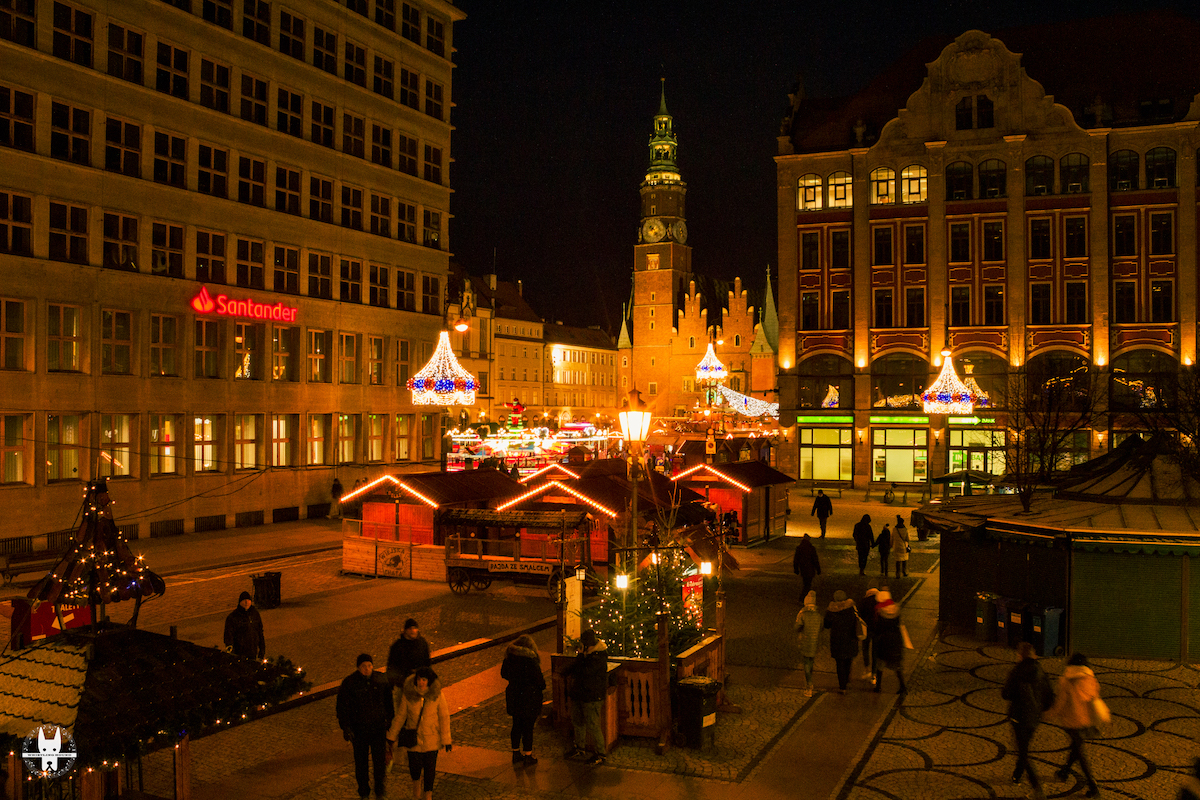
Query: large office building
223,242
1028,201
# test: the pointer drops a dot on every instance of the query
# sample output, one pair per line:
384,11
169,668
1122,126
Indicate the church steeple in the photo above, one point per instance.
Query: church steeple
663,190
663,146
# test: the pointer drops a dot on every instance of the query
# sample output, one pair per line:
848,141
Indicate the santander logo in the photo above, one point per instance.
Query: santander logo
205,303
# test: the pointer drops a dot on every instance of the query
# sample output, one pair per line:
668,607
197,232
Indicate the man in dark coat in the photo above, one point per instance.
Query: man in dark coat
589,674
806,564
822,509
335,492
866,612
864,540
1029,693
407,654
364,713
244,630
842,623
522,668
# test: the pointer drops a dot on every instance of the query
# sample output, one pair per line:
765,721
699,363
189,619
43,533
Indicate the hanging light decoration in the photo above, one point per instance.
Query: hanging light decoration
710,370
947,395
748,406
443,382
979,398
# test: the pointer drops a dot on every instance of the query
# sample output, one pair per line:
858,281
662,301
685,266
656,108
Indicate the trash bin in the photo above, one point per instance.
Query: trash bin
1002,619
1046,630
266,589
697,709
1019,622
985,616
1010,621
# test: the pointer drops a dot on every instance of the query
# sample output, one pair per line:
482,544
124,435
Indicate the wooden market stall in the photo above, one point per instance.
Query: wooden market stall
751,489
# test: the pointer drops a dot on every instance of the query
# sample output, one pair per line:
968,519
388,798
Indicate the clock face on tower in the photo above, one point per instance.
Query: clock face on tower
679,230
653,230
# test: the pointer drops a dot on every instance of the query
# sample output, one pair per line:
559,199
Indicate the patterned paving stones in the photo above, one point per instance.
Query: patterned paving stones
950,737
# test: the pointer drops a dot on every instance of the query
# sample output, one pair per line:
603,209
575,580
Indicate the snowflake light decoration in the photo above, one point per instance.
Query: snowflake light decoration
748,406
443,382
947,395
710,370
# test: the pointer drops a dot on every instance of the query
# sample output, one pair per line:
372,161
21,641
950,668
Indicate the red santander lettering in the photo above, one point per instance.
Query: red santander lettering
205,303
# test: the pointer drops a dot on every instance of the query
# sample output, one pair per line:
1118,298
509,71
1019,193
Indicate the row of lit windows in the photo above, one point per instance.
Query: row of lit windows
987,242
219,172
1073,177
81,446
172,69
212,257
158,345
896,308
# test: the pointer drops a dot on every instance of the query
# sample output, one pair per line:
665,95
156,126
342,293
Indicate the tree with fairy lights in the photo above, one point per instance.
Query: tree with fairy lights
97,567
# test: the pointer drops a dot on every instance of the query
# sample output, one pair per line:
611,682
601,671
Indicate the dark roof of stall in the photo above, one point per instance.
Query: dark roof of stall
571,519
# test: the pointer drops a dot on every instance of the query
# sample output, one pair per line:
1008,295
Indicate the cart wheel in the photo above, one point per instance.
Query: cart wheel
554,586
480,583
460,582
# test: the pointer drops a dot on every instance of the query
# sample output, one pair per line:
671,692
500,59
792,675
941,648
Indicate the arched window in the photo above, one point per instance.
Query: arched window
839,190
1160,168
883,186
1073,171
826,382
1141,379
737,340
993,179
1123,171
624,361
808,192
914,183
691,341
988,372
1054,380
1039,175
897,381
959,181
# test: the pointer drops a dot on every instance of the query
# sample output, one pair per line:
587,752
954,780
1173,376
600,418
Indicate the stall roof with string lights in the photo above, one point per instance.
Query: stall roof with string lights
747,488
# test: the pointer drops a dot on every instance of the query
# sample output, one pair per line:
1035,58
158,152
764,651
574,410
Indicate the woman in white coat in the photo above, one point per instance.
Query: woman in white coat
900,546
423,707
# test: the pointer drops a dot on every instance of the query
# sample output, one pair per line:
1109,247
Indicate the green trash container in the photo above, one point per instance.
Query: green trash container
985,616
697,709
1046,630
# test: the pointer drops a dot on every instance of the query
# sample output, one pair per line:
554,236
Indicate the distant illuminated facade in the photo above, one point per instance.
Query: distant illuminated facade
223,241
1053,232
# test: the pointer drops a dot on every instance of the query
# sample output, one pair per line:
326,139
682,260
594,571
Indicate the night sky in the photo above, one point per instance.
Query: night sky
555,104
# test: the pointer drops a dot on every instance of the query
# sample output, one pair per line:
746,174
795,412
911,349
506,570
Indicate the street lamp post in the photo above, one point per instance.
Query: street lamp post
635,426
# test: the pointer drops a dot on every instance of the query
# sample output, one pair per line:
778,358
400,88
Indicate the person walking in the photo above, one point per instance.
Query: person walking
364,712
808,637
890,639
866,612
842,623
1029,694
335,492
522,668
587,689
884,543
900,546
1072,711
822,509
806,564
244,630
407,654
423,709
864,541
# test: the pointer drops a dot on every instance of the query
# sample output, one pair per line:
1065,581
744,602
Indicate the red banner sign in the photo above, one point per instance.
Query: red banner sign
693,600
205,303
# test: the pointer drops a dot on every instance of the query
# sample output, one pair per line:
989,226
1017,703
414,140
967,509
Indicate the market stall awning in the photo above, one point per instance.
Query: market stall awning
744,475
438,489
549,471
513,519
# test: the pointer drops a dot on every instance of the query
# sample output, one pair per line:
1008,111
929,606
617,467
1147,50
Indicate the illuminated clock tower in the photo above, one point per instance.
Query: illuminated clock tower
661,268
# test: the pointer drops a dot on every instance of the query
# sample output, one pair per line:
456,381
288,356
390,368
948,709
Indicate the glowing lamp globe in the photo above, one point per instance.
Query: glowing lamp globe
635,419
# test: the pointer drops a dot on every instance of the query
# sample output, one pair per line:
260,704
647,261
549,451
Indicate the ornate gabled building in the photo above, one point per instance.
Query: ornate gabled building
667,327
1027,202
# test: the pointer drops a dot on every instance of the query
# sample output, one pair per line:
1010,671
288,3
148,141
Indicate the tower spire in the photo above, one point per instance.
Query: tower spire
663,145
662,102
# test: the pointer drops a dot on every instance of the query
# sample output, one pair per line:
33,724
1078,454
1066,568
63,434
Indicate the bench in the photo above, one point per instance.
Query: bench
812,489
41,562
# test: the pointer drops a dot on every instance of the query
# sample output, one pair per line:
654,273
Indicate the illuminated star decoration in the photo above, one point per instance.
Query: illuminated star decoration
947,395
748,406
443,382
710,370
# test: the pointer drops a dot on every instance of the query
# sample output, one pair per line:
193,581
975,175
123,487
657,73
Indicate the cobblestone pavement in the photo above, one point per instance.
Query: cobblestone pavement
738,742
951,738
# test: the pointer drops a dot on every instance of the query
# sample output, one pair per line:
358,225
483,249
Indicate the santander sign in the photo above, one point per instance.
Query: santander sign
205,303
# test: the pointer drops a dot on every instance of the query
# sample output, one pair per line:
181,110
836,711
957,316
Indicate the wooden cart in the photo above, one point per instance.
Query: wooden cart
535,547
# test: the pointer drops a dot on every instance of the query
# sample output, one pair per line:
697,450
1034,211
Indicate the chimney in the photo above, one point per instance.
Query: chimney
491,280
520,288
